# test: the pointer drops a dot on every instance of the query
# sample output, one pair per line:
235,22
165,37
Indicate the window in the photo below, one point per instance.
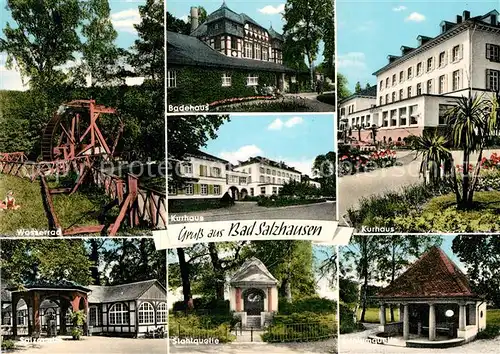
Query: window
268,171
387,82
443,112
252,192
234,43
204,189
408,92
217,44
380,100
216,189
171,79
268,179
265,53
146,314
216,171
493,52
279,180
456,80
394,80
261,179
387,98
279,173
274,172
401,94
442,57
410,73
429,64
248,50
21,315
419,69
381,85
226,80
189,189
429,86
456,53
394,96
261,170
258,52
413,117
442,83
172,189
492,77
275,190
188,168
401,76
161,312
252,80
262,190
118,314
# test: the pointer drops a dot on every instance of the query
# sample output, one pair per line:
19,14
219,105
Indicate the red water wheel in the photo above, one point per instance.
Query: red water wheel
78,128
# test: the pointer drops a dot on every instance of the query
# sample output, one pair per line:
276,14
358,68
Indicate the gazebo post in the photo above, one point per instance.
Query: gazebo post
381,314
36,313
15,300
432,321
406,322
462,319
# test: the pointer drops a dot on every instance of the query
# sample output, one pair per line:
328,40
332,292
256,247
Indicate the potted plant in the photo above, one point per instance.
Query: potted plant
78,319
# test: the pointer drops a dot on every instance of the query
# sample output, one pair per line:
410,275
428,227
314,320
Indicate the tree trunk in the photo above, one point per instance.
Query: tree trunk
475,178
365,277
359,134
393,276
465,182
186,282
94,258
218,270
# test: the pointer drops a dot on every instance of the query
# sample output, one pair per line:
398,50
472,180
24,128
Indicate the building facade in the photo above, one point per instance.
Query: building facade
206,176
416,88
228,55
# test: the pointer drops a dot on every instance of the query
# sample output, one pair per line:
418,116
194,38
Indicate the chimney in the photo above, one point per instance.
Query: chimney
194,18
466,15
493,19
459,19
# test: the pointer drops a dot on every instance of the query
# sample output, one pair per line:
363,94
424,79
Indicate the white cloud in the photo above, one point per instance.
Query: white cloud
293,121
185,18
11,80
242,154
399,8
303,165
415,17
271,10
365,26
278,124
356,60
125,20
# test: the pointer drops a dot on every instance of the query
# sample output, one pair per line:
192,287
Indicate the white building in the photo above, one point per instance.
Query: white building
207,176
418,86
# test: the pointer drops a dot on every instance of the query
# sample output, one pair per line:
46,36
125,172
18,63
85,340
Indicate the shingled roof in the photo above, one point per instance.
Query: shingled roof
188,50
433,275
117,293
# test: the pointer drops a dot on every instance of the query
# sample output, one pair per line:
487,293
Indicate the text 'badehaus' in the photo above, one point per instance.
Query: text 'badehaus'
202,176
227,55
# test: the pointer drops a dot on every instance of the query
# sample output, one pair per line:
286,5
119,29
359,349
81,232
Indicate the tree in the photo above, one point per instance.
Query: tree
329,46
481,257
357,88
100,53
43,39
342,87
177,25
324,168
367,86
148,57
304,26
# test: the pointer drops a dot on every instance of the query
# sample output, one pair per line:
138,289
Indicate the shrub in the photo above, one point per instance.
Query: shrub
279,201
347,320
201,327
205,305
8,344
298,327
309,304
490,332
328,98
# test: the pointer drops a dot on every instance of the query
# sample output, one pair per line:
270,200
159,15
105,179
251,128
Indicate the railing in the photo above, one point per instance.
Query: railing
300,332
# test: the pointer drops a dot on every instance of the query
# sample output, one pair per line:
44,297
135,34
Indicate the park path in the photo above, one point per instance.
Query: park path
355,343
353,188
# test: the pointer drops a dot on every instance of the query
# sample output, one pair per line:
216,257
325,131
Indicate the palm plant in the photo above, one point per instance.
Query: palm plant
432,147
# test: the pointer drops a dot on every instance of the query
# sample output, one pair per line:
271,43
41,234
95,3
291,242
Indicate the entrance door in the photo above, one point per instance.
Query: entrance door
253,302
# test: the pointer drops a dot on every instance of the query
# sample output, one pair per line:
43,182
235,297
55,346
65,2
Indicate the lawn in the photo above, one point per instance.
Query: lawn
493,317
372,315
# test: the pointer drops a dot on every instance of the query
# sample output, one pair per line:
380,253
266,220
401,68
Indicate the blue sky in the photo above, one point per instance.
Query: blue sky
265,12
368,31
124,14
294,138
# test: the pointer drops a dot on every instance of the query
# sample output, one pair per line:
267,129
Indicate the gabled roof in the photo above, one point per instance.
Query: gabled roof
433,275
62,284
370,92
124,292
207,156
253,271
189,50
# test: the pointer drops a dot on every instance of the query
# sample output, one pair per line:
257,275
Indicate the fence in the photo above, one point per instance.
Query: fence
300,332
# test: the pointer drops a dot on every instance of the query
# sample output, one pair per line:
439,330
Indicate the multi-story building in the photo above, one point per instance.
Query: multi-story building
416,88
207,176
228,55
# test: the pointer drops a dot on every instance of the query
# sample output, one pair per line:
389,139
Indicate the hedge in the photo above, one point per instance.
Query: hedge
196,327
309,304
301,327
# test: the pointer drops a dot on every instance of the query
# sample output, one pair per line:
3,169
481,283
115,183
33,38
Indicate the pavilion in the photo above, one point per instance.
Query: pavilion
437,307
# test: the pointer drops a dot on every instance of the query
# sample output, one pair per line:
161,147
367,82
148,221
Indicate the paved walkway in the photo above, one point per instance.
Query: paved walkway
95,345
324,347
251,211
354,343
353,188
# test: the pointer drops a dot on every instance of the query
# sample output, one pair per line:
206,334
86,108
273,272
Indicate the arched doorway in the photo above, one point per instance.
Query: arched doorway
253,301
243,193
234,193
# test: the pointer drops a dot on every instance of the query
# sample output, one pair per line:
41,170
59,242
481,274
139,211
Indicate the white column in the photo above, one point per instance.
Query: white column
462,318
432,322
382,314
406,322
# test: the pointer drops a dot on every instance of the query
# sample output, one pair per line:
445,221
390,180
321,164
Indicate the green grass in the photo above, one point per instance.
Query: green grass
372,315
493,317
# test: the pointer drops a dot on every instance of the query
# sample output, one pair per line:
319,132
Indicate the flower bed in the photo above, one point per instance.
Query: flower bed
355,162
239,100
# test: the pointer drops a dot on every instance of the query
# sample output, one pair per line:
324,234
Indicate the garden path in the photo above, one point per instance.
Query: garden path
354,187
